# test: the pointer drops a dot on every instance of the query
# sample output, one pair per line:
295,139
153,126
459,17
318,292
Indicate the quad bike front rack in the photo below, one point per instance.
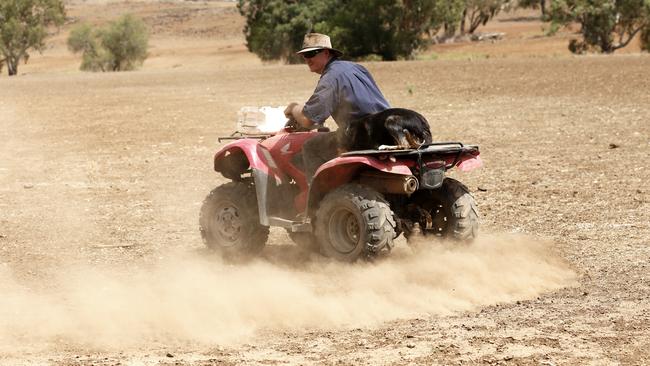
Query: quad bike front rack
240,135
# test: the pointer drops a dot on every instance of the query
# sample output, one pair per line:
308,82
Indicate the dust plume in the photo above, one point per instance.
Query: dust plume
197,298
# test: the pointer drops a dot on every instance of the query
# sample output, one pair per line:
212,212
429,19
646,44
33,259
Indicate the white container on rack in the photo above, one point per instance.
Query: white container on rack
260,120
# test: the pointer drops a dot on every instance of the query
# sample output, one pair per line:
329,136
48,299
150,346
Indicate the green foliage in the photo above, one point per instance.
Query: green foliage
23,26
606,25
447,15
83,39
126,41
388,28
120,46
274,28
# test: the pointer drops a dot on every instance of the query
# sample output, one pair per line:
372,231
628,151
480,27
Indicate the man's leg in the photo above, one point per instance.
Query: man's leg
317,151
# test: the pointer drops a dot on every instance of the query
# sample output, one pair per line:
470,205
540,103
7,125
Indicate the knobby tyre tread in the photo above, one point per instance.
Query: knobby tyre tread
251,237
376,222
463,208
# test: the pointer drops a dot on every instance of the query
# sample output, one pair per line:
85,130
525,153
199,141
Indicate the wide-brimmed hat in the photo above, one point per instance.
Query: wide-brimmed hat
317,41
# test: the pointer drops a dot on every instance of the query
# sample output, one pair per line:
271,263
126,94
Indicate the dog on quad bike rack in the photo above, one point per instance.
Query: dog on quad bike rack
394,128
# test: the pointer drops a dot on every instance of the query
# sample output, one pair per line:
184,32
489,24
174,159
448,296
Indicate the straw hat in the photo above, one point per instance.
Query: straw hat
317,41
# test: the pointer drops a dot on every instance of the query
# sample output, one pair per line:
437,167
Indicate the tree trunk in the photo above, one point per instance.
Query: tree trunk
542,5
12,66
462,22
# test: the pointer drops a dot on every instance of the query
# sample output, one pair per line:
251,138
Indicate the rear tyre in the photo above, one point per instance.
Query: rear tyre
229,221
453,211
354,222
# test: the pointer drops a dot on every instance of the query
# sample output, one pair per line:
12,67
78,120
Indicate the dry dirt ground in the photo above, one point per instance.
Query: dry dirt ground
102,177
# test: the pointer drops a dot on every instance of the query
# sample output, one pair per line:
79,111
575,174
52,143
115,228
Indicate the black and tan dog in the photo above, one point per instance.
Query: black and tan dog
394,128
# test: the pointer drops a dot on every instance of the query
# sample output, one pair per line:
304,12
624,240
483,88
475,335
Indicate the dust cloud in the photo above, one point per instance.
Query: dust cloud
196,298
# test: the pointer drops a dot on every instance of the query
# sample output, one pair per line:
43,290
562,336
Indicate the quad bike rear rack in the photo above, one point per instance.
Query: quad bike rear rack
436,147
457,148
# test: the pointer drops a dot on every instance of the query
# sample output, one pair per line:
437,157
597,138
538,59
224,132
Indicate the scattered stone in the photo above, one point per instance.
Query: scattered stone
169,355
482,189
410,345
103,246
28,186
613,146
492,36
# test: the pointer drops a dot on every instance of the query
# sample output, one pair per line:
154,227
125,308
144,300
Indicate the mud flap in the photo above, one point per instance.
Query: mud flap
261,190
432,178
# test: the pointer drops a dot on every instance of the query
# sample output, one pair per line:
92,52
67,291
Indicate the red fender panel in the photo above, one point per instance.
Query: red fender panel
342,170
237,156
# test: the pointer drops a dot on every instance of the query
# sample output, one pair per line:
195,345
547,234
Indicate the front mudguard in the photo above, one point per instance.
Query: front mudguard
343,170
247,155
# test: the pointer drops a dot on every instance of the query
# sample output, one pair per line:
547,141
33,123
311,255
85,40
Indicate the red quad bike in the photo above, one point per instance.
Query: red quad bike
356,206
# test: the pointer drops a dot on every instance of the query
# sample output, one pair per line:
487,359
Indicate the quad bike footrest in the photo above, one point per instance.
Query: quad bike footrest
293,226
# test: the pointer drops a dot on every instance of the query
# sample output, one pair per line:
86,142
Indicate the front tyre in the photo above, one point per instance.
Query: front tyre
354,222
229,221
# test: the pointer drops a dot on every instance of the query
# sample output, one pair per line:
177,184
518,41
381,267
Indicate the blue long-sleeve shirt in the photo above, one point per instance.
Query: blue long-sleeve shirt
346,91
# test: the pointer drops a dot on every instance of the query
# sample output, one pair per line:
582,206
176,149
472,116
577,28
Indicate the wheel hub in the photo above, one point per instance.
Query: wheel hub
352,228
345,231
228,223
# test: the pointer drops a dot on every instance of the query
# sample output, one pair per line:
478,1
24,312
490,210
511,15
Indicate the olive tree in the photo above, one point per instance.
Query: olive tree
120,46
24,25
605,25
274,28
390,29
446,15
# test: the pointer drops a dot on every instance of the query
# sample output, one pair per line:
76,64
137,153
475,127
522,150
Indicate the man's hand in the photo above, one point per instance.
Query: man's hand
288,112
294,110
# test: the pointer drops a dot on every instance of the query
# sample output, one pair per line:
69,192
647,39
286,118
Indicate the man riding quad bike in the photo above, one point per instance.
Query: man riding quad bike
355,207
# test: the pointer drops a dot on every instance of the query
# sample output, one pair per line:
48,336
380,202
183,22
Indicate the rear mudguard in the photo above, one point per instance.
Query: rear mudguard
238,156
342,170
470,162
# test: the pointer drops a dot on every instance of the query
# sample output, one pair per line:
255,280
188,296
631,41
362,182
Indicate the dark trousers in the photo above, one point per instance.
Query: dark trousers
317,151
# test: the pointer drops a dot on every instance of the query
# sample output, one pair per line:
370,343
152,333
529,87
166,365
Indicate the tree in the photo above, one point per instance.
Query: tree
120,46
479,12
85,40
275,28
126,41
389,28
605,25
446,15
23,26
